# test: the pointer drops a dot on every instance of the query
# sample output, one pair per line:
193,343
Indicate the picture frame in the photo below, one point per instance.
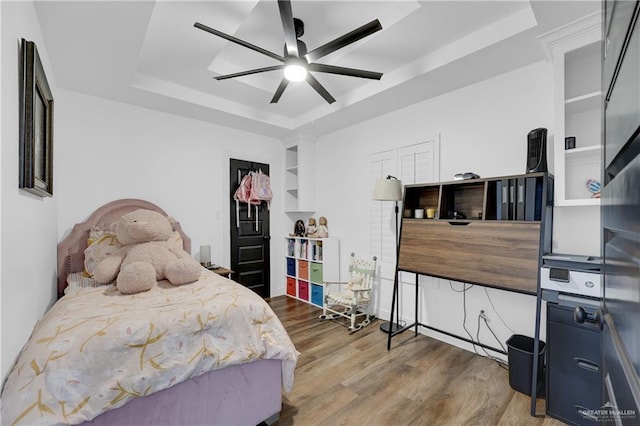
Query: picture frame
36,124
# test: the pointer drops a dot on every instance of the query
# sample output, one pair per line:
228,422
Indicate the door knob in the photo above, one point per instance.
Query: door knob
266,237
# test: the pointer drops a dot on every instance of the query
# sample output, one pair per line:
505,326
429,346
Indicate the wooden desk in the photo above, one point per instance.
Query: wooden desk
491,232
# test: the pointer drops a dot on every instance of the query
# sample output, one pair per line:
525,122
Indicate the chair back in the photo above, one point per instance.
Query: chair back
366,269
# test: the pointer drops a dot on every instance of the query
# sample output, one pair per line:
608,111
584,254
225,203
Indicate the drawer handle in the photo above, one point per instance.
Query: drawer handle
581,316
456,223
586,364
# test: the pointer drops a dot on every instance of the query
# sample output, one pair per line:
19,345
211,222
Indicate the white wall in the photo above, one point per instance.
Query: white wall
483,129
110,150
29,223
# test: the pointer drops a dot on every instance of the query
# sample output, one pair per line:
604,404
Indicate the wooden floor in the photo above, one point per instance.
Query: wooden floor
351,379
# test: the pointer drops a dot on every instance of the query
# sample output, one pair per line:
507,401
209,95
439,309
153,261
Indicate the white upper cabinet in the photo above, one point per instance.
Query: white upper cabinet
575,51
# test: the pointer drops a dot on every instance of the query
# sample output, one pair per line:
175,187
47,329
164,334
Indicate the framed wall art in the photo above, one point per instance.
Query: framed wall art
36,124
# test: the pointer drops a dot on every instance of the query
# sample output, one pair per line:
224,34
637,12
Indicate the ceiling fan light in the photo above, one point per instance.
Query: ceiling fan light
295,72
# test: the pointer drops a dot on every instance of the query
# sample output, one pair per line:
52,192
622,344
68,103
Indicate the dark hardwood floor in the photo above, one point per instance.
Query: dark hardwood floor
351,379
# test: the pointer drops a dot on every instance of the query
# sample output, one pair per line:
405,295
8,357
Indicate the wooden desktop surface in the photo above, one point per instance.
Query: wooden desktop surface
494,253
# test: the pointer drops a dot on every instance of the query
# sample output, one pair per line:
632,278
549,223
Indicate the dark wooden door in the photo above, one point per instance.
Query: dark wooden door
249,234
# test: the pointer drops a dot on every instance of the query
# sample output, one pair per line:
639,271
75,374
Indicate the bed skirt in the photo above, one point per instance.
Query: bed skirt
245,394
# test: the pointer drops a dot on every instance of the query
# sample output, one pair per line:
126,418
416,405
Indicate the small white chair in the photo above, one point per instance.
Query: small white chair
351,299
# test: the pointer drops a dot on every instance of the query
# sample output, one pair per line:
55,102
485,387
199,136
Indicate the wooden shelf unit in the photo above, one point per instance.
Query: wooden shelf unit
471,239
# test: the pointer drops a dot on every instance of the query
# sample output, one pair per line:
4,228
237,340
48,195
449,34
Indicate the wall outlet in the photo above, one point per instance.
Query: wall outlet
484,313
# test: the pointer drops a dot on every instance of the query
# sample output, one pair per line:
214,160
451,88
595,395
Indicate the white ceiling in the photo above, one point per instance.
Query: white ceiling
150,54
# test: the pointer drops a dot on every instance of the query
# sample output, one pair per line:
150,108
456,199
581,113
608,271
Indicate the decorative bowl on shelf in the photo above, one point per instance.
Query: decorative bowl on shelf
594,187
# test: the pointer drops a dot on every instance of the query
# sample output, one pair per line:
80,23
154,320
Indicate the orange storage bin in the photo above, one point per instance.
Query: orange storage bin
303,269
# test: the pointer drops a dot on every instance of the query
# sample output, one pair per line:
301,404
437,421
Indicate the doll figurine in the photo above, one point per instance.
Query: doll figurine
323,230
298,229
311,227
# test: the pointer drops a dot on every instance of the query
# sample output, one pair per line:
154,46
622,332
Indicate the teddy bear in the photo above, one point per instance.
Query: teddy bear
147,255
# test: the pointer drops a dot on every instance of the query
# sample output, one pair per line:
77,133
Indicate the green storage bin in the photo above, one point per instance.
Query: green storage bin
315,272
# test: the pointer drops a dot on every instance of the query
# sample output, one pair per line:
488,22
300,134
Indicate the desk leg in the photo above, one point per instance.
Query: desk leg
417,304
536,348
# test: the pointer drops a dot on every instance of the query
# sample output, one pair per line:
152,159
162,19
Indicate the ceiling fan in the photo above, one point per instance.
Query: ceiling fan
297,62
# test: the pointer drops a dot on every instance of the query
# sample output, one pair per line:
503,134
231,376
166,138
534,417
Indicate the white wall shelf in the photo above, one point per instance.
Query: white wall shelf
574,50
300,175
583,103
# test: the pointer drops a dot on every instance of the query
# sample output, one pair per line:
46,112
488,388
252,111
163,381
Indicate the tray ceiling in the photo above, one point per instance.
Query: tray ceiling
149,54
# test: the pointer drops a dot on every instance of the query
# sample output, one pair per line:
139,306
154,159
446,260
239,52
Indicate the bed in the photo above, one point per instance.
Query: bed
211,352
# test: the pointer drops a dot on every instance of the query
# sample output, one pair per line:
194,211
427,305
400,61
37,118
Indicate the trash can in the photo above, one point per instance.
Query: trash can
520,353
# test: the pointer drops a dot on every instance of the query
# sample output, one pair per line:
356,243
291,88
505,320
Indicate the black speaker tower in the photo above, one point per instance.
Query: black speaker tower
537,150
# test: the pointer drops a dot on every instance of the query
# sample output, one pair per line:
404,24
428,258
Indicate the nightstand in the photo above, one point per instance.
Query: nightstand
222,271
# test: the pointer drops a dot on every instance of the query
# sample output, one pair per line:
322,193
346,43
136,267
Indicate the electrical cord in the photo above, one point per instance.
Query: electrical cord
464,290
464,311
464,287
500,362
494,334
496,312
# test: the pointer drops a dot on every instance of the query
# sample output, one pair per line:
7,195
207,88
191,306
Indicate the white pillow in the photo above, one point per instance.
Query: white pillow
77,281
101,244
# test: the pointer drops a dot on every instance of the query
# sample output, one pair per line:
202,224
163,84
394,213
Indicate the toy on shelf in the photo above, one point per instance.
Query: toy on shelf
311,227
594,187
298,229
321,231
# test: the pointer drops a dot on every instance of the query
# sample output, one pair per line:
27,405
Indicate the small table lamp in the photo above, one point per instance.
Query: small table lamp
205,255
390,189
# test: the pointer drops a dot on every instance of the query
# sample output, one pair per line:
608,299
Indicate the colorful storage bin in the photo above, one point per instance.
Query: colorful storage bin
315,272
291,266
291,286
303,290
317,294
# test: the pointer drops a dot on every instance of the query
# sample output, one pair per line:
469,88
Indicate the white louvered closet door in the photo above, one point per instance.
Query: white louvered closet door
419,163
382,220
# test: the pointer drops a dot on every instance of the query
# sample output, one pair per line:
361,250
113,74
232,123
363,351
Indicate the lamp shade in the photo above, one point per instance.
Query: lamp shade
205,255
388,189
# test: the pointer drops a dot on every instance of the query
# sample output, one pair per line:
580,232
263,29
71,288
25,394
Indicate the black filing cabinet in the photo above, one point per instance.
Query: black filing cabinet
574,376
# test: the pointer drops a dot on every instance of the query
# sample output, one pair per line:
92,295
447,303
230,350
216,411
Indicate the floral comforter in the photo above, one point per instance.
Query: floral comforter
96,349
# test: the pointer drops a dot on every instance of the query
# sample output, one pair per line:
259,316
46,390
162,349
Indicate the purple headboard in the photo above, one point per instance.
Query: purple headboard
71,249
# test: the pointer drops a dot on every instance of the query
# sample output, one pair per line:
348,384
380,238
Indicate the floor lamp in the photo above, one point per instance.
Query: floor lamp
390,189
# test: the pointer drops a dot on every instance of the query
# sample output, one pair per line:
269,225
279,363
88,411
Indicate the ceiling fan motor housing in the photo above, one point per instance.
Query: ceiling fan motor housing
299,26
302,49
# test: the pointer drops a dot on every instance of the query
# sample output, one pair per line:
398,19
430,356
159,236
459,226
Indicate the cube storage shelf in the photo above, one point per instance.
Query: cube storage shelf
311,262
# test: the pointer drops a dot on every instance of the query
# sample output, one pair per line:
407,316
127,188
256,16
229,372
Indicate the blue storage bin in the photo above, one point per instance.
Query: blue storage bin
317,294
291,266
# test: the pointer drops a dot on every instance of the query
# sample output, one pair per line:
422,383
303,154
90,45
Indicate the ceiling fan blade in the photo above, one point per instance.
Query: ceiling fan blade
342,41
249,72
238,41
290,39
352,72
279,91
320,89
